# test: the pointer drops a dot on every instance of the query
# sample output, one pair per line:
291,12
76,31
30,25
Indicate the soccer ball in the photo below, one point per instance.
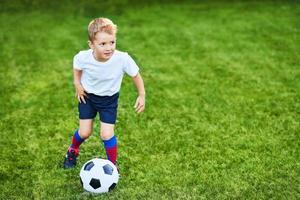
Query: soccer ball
99,176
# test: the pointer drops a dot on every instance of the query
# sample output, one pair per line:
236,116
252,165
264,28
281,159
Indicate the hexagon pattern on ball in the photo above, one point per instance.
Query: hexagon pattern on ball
112,187
99,176
95,183
108,169
88,166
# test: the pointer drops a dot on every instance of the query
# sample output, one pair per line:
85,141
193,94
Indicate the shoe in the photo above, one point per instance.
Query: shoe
71,157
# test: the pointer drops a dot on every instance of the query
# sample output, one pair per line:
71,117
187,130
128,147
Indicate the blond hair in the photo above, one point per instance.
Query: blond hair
101,25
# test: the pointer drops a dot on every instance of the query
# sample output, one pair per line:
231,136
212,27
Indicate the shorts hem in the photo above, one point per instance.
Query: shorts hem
108,122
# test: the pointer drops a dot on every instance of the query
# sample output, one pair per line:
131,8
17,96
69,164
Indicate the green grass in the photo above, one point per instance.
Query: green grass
223,101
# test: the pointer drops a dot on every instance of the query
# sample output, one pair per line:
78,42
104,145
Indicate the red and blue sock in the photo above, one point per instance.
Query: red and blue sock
76,141
111,148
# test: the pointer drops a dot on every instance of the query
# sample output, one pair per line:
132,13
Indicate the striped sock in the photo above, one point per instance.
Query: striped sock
111,148
76,141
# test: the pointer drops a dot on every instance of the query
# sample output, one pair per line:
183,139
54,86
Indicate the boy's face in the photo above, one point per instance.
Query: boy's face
103,46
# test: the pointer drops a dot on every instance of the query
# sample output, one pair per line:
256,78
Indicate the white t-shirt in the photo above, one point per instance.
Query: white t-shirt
104,78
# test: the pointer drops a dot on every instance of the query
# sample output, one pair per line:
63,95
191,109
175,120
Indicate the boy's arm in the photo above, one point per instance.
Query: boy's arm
140,101
80,93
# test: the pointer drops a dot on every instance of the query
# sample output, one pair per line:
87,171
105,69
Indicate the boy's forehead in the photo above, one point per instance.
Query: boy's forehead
103,36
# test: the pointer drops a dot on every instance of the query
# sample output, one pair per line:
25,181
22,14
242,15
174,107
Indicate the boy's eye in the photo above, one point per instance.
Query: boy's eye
102,44
112,42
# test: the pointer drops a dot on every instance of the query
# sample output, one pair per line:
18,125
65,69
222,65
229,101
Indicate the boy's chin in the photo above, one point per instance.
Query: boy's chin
107,57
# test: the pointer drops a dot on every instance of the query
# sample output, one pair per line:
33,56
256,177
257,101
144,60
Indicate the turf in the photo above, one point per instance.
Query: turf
223,100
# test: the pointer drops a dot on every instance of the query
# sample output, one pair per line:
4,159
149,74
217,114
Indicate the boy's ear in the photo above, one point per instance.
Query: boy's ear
90,44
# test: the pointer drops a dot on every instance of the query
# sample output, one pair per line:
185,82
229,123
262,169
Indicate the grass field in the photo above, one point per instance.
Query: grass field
223,100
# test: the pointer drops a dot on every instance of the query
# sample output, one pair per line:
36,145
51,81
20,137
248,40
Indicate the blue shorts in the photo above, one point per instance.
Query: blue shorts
105,105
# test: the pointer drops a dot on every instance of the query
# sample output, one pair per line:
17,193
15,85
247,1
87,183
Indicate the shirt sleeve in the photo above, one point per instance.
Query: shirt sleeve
76,62
130,67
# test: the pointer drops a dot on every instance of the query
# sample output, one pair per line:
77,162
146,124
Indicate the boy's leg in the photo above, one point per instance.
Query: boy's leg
84,131
107,108
87,113
109,140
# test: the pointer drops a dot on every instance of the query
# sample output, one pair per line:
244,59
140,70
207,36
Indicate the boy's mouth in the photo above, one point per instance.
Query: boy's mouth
108,54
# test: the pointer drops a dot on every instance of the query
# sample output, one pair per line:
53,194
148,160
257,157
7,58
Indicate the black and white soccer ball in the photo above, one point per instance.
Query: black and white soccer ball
99,176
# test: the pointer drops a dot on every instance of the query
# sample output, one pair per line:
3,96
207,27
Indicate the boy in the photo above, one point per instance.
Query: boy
98,74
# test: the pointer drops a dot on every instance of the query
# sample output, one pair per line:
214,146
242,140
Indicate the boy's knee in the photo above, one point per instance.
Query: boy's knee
106,135
85,133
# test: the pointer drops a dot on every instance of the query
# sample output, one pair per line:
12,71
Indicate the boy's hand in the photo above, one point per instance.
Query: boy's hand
80,93
140,104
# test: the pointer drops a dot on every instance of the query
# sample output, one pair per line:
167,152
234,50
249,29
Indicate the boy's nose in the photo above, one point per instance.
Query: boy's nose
108,47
